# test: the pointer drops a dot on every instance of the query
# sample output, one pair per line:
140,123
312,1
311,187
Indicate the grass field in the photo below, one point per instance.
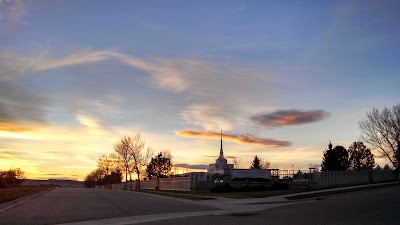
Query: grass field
10,194
176,194
197,196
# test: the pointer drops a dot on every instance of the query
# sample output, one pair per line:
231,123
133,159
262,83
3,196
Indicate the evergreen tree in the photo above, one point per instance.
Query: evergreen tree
378,168
256,164
336,158
387,167
159,166
361,157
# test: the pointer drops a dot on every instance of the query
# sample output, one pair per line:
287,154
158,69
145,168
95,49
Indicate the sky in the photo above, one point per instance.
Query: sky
280,78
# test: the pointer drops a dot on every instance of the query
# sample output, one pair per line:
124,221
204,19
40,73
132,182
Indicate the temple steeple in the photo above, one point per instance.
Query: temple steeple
221,151
221,164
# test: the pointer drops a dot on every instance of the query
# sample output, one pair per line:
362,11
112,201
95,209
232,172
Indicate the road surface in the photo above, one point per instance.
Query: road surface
378,206
65,205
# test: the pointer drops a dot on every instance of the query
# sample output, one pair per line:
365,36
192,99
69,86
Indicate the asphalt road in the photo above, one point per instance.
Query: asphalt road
378,206
65,205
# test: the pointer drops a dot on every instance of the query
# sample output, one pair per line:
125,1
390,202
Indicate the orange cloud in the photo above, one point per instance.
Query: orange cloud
14,129
281,118
242,139
13,126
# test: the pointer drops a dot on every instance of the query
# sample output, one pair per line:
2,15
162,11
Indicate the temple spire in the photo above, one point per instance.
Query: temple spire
221,151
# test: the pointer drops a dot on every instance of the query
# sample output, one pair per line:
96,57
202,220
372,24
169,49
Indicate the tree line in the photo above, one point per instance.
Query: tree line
356,157
130,157
11,178
381,130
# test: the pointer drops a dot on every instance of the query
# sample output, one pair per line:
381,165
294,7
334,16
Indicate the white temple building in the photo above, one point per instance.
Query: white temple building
221,164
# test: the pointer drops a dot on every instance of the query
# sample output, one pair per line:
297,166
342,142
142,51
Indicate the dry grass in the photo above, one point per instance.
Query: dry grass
255,194
198,196
12,193
177,194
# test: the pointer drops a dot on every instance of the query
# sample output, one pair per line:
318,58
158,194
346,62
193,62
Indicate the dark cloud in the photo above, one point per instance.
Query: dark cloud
281,118
242,139
21,108
188,166
54,174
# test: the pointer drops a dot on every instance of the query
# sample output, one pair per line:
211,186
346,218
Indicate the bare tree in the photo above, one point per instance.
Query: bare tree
237,163
265,164
381,129
123,149
134,158
116,162
139,156
105,163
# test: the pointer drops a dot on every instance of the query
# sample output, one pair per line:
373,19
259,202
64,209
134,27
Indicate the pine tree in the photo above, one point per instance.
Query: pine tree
361,157
336,158
256,164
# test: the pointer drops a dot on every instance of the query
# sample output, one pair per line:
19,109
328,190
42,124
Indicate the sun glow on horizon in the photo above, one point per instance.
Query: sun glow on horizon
6,134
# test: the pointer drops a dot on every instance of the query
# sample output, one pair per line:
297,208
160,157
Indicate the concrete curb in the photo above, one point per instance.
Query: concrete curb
8,205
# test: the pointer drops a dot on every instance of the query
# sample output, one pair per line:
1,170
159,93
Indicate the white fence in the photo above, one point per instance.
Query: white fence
167,184
332,178
384,175
175,184
146,184
323,179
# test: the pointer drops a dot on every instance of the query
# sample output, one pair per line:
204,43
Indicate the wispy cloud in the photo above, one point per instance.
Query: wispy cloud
281,118
200,78
206,116
213,103
242,139
162,75
13,64
92,125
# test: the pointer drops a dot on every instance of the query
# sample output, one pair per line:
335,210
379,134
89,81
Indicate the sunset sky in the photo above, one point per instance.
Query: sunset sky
279,78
